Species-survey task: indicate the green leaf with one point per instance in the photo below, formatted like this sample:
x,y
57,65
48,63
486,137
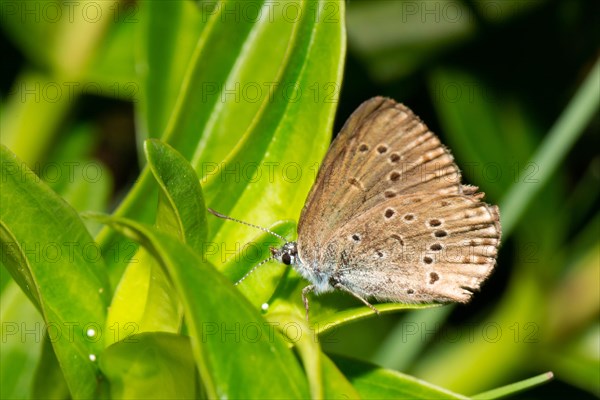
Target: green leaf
x,y
328,320
514,388
182,213
296,331
169,32
40,101
70,32
15,262
78,37
290,121
49,381
267,175
153,365
113,72
576,360
30,121
21,329
145,300
225,330
335,384
560,139
403,344
575,302
373,382
59,266
325,379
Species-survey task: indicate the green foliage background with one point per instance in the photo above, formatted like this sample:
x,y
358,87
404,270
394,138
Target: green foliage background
x,y
147,112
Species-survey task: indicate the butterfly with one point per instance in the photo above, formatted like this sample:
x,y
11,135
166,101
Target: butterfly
x,y
388,217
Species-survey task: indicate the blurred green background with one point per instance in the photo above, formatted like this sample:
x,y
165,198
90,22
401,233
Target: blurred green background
x,y
491,78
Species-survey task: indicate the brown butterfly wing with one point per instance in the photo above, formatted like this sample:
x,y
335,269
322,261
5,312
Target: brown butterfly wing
x,y
385,158
384,150
417,248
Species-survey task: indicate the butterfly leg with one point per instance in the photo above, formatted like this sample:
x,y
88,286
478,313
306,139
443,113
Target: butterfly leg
x,y
305,293
344,288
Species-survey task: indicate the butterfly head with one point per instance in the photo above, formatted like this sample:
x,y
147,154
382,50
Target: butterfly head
x,y
287,254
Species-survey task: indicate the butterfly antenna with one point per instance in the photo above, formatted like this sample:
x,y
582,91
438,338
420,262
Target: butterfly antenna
x,y
252,270
218,214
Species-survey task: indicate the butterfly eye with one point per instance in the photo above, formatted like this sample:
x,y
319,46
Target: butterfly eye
x,y
286,259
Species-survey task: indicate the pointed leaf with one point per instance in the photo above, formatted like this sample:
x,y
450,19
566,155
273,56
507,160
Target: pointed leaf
x,y
288,127
60,266
373,382
514,388
21,327
184,212
154,365
145,298
225,330
169,32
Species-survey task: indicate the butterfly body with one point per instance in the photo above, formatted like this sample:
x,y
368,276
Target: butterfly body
x,y
388,217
